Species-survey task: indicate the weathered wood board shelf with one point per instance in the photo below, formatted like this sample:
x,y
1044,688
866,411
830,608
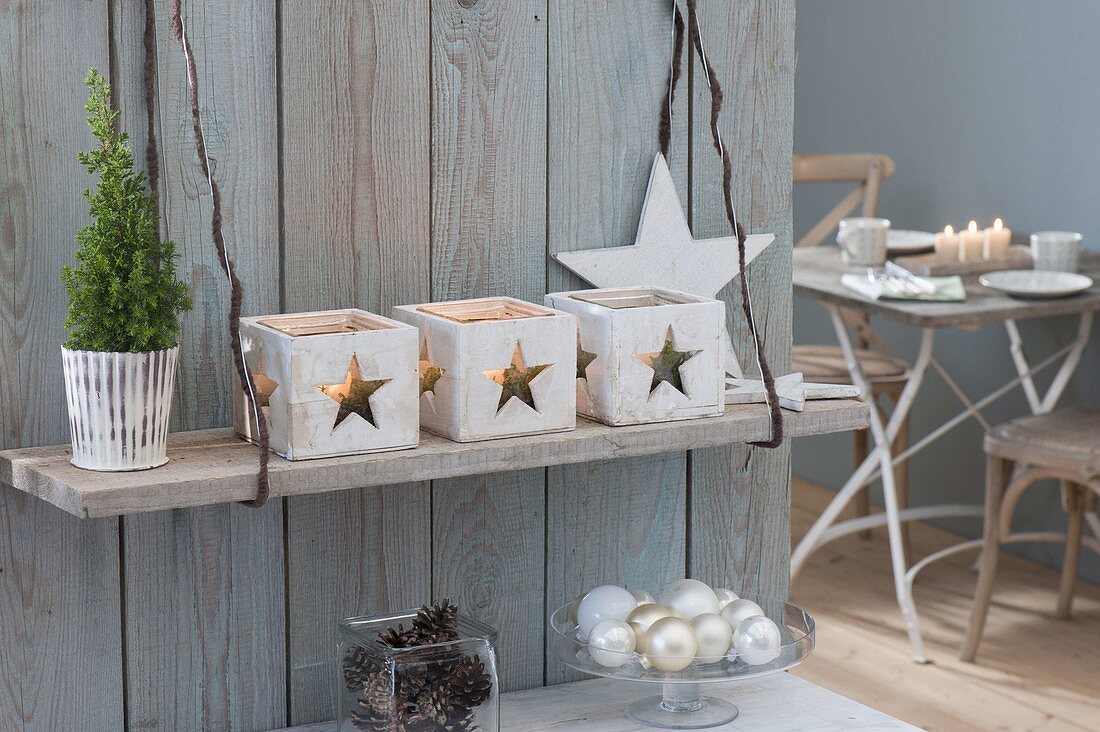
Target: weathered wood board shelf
x,y
213,466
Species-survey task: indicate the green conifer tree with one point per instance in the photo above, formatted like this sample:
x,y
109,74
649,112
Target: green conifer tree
x,y
123,293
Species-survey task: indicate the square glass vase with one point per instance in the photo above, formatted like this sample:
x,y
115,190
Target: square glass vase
x,y
440,686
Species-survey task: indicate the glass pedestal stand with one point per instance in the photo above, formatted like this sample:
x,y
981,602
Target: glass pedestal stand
x,y
682,707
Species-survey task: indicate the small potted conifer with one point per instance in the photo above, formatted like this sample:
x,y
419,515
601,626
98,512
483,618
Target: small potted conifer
x,y
124,309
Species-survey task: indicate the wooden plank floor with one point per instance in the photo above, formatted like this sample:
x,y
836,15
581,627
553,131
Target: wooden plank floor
x,y
1033,672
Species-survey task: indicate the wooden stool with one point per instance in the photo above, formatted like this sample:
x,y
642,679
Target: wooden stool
x,y
1064,445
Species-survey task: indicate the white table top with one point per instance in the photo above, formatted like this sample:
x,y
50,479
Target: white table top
x,y
777,703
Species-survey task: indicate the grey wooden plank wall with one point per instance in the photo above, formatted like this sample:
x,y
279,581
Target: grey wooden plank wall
x,y
369,154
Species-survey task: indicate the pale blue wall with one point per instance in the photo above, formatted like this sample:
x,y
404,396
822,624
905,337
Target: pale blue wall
x,y
990,108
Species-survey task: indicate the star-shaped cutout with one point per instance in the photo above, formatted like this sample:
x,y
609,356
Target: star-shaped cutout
x,y
515,380
265,386
353,395
583,359
430,373
666,364
665,254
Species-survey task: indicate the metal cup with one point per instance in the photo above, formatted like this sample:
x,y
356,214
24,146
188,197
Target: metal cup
x,y
863,241
1056,251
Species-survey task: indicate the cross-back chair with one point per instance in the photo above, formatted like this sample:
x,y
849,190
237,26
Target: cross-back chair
x,y
887,374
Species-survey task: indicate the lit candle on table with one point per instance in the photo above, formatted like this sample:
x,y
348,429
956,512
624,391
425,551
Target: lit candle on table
x,y
971,243
947,245
997,239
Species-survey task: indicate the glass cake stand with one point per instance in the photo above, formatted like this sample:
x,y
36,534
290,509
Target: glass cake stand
x,y
681,705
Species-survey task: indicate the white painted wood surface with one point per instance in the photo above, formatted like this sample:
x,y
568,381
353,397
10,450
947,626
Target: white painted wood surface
x,y
302,419
617,385
465,403
214,466
779,703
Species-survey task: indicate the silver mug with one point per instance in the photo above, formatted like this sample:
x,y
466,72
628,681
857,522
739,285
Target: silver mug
x,y
862,241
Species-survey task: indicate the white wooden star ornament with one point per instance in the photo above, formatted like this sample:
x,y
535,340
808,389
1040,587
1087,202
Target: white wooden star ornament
x,y
665,254
793,392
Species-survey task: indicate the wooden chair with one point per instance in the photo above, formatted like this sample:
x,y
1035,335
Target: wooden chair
x,y
887,374
1064,445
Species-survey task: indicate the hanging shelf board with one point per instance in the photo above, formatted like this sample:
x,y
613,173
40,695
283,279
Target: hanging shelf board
x,y
211,467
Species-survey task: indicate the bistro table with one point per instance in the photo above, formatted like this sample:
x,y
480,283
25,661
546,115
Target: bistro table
x,y
817,274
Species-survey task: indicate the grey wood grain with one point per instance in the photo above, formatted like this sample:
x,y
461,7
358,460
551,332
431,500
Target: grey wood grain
x,y
817,274
740,496
613,523
61,657
205,634
209,467
602,136
356,181
356,552
204,589
489,62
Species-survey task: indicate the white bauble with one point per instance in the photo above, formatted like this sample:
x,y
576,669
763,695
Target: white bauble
x,y
714,635
740,610
757,641
643,597
606,602
725,597
689,598
643,616
670,644
611,643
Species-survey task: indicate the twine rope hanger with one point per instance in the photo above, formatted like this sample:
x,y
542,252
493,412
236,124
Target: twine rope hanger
x,y
771,397
179,30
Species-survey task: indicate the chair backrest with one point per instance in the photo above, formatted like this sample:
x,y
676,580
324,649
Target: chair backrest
x,y
866,170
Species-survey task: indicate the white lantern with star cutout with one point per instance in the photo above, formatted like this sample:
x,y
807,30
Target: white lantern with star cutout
x,y
337,382
647,354
494,367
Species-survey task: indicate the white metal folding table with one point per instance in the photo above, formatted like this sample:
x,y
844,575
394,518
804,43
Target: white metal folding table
x,y
817,275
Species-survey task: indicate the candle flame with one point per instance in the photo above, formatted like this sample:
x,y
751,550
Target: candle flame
x,y
948,231
998,224
973,227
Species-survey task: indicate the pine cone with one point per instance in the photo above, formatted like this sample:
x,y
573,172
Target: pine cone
x,y
469,684
358,666
399,638
435,712
437,623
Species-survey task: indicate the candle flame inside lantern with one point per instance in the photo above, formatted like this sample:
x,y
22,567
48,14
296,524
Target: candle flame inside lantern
x,y
948,230
973,228
998,224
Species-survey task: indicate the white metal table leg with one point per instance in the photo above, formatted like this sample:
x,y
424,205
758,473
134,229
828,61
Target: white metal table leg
x,y
889,489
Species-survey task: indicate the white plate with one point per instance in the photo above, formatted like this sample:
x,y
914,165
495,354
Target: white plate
x,y
909,242
1035,283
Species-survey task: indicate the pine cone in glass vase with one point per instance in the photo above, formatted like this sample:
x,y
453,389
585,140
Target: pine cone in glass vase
x,y
399,637
435,712
469,684
377,709
357,667
437,623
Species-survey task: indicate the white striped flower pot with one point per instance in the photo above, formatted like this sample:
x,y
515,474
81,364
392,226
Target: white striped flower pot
x,y
119,404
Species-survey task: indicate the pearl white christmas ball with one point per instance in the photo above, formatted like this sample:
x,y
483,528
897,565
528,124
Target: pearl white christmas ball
x,y
643,616
670,644
606,602
642,597
689,598
739,610
714,635
611,643
725,597
757,641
